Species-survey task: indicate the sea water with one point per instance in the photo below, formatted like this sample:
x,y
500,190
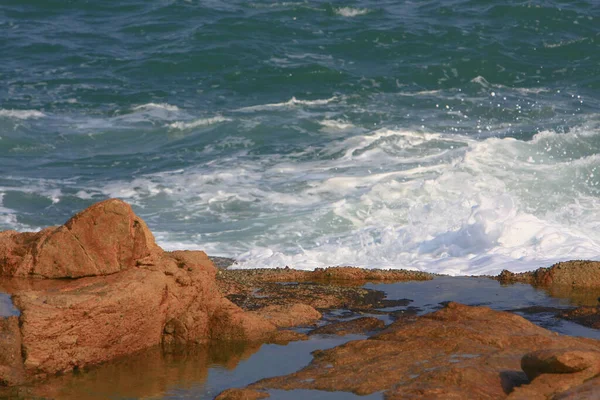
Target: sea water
x,y
458,136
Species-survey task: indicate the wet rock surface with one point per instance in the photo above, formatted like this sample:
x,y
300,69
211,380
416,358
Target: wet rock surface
x,y
573,274
456,352
11,368
361,325
578,281
586,316
254,289
242,394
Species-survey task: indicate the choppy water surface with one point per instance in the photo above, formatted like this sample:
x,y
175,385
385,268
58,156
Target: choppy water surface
x,y
455,136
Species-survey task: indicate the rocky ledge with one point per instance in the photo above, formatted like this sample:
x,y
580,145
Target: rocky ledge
x,y
458,352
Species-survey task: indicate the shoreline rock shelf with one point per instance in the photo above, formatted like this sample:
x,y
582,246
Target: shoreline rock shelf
x,y
99,288
458,352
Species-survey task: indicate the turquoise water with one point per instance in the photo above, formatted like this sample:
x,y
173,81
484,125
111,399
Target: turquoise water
x,y
452,136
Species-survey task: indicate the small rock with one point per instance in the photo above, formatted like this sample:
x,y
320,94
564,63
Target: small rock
x,y
288,315
559,361
359,325
242,394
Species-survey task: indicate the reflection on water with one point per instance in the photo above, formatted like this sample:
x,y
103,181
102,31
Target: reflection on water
x,y
575,296
202,372
198,372
150,373
427,295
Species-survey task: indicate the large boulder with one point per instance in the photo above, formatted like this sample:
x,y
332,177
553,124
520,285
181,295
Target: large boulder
x,y
101,240
129,295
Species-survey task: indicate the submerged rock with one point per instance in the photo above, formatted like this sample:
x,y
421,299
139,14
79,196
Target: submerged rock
x,y
11,366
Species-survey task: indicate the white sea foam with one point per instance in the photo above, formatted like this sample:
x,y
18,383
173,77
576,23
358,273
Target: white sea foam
x,y
480,80
161,106
198,122
351,12
390,198
289,104
336,124
470,209
22,114
565,43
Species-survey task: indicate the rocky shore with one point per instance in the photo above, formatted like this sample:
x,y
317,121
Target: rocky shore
x,y
99,288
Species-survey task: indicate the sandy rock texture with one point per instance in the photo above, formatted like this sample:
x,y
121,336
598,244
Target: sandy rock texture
x,y
458,352
107,238
361,325
129,295
573,274
578,281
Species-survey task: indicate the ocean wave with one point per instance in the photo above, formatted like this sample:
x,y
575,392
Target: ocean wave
x,y
351,12
181,125
161,106
480,80
441,203
289,104
564,43
336,124
22,114
389,198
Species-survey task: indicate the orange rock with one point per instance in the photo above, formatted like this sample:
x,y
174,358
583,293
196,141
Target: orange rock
x,y
359,325
559,361
101,240
242,394
129,295
11,366
288,315
589,390
455,353
574,274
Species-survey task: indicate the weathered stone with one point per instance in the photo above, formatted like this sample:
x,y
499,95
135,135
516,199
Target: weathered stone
x,y
587,316
589,390
358,325
578,274
129,295
457,352
11,361
288,315
242,394
101,240
559,361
